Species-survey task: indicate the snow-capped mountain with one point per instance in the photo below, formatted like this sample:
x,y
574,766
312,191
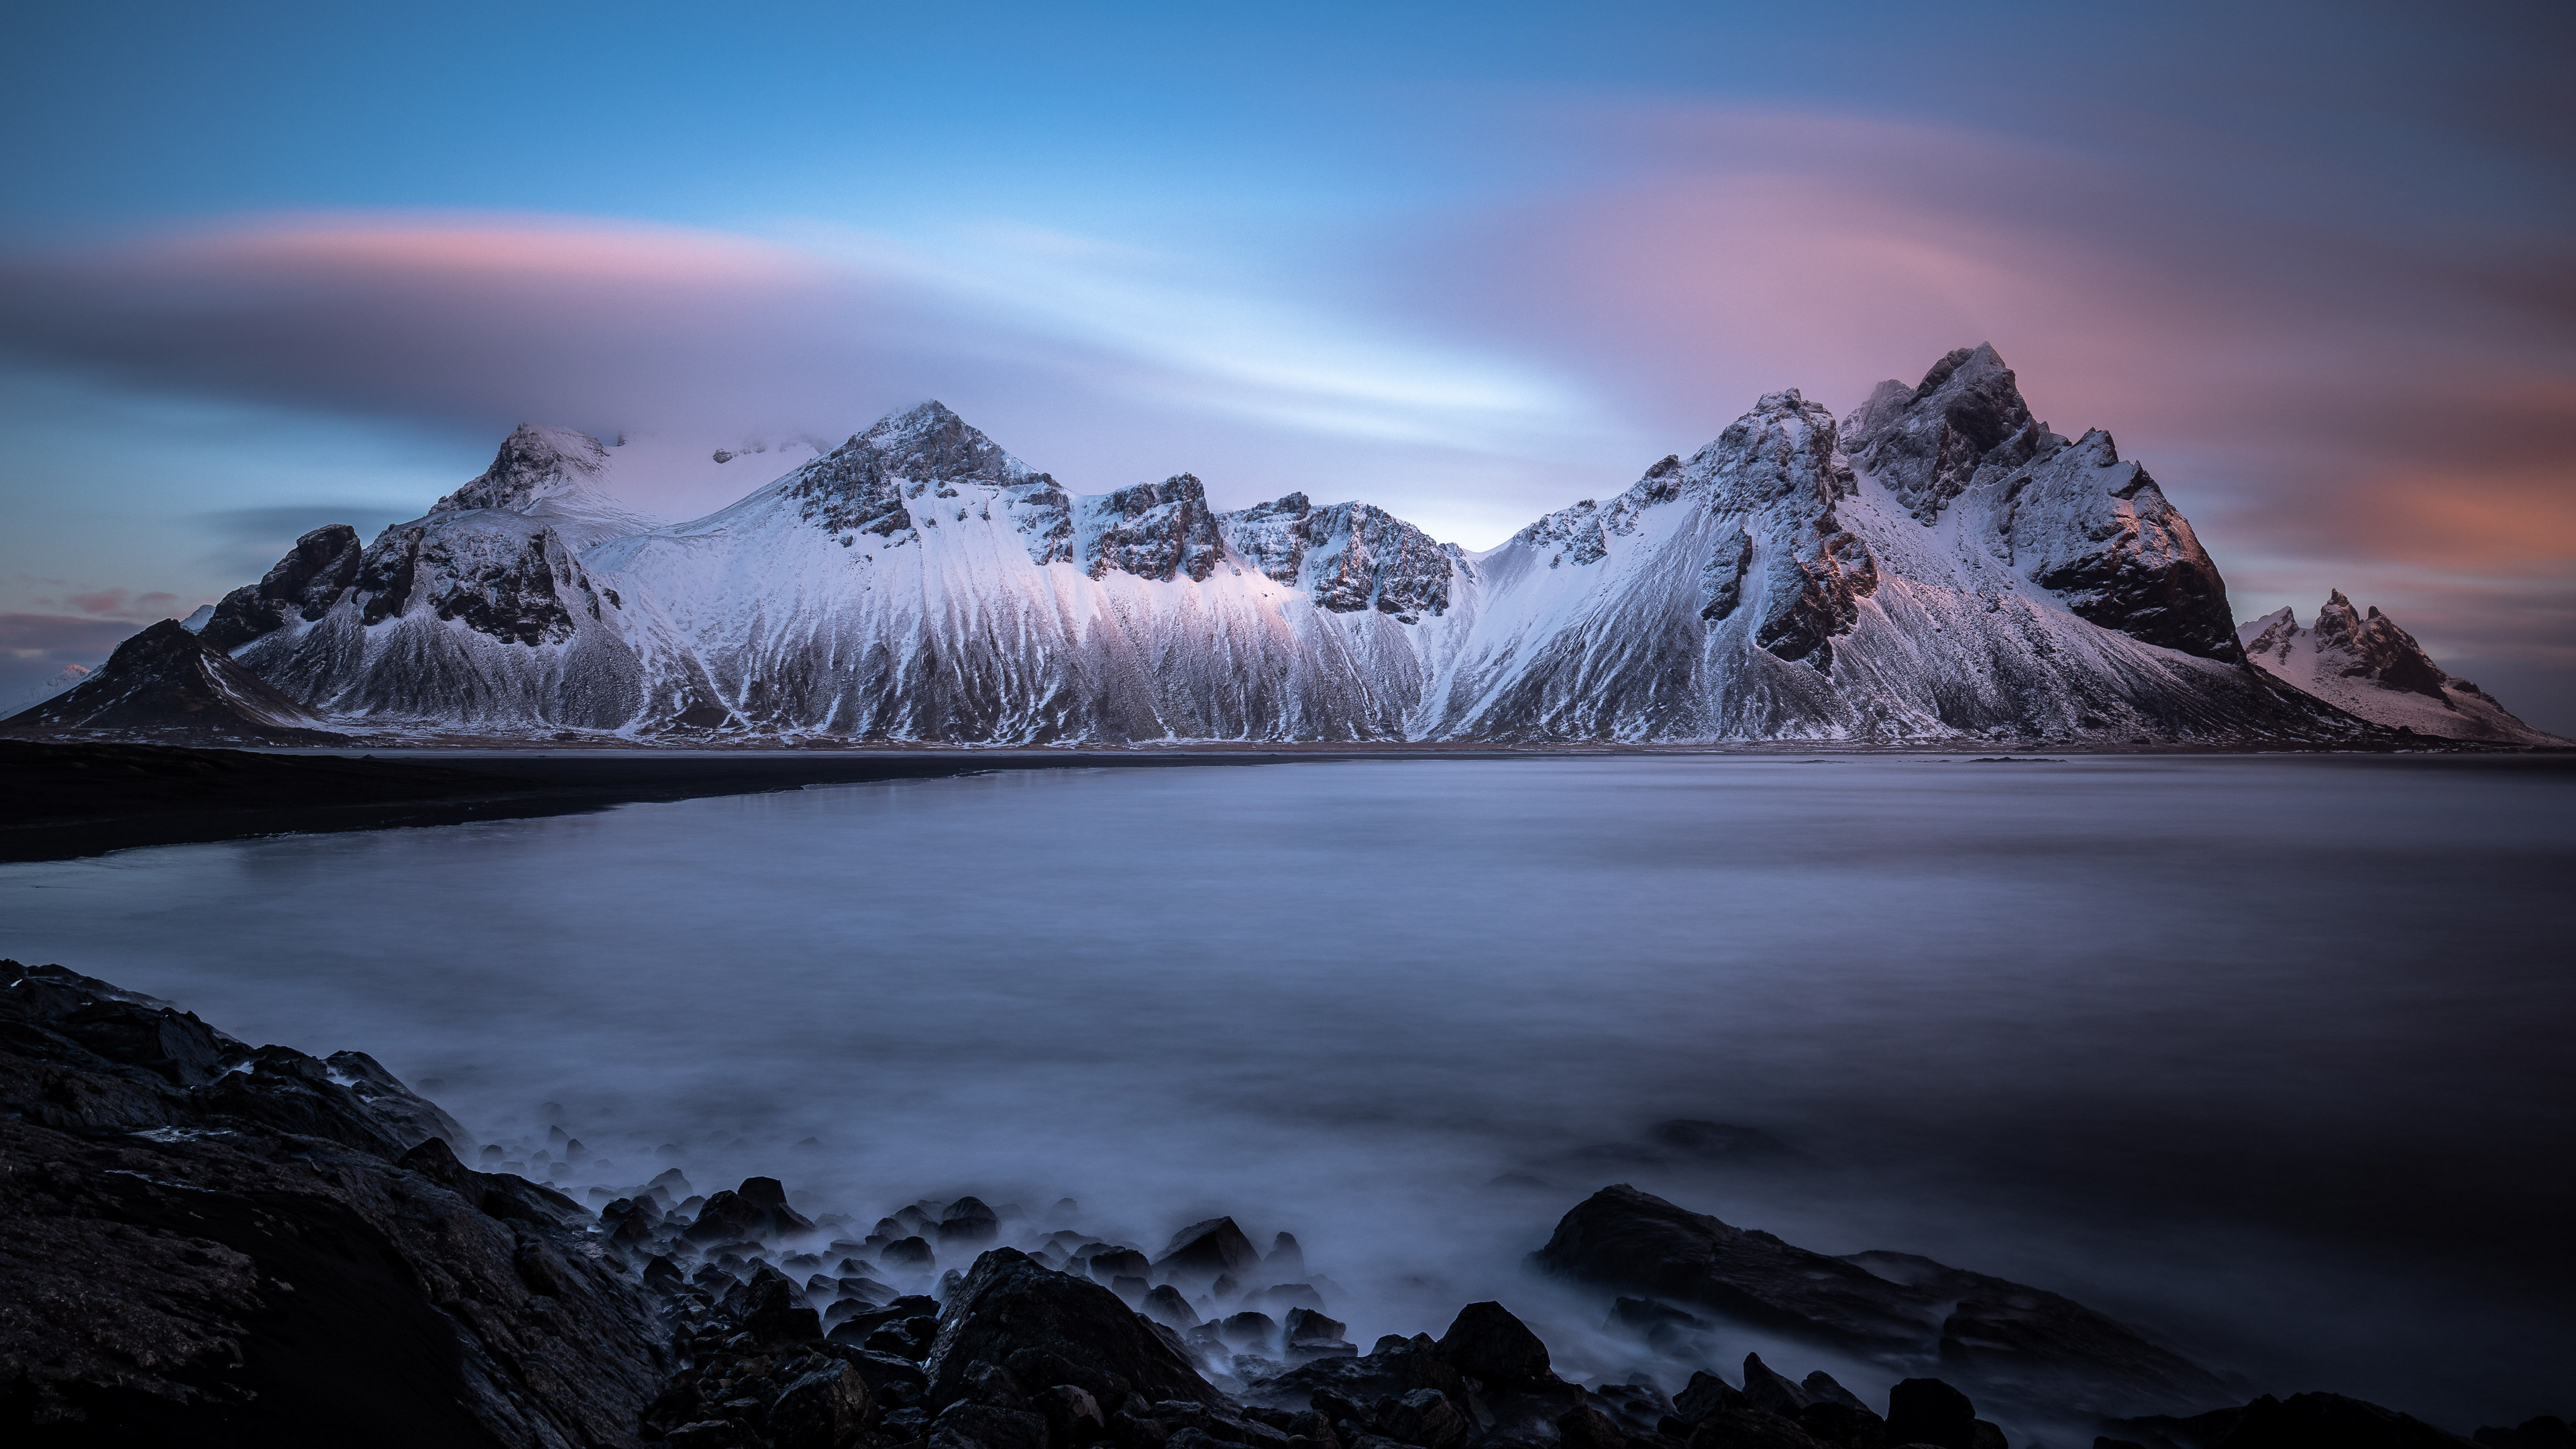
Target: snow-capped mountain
x,y
2365,665
1938,565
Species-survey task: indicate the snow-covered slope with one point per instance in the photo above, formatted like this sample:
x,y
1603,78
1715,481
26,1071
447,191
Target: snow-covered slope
x,y
1942,565
2366,665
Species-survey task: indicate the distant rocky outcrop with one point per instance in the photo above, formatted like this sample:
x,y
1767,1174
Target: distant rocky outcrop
x,y
169,685
2366,665
2000,1336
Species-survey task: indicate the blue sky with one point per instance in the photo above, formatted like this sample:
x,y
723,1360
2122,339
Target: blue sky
x,y
271,266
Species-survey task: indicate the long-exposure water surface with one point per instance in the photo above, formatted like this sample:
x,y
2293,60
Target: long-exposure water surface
x,y
2271,1055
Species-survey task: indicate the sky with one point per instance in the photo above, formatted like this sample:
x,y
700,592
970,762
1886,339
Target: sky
x,y
268,266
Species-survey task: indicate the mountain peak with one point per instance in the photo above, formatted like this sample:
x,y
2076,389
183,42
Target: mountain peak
x,y
1929,442
929,440
2362,662
535,461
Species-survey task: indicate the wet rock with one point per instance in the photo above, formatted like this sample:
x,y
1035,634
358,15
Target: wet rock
x,y
1585,1427
1928,1411
828,1408
1307,1328
966,1423
1705,1395
1770,1392
1009,1304
258,1253
1486,1342
1202,1251
1997,1334
1280,1297
1108,1263
894,1382
1424,1417
1748,1428
1821,1388
1072,1415
1661,1325
1249,1330
1285,1258
912,1252
1394,1368
969,1223
1165,1305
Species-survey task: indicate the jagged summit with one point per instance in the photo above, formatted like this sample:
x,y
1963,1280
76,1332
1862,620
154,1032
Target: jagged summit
x,y
918,582
1931,442
928,441
535,462
2362,662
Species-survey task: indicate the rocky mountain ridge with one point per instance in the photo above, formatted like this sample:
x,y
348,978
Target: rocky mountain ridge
x,y
2367,666
1939,565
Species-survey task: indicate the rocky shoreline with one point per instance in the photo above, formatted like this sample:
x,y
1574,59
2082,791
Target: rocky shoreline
x,y
218,1244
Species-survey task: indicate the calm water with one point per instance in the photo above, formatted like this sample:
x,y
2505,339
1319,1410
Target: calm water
x,y
2270,1055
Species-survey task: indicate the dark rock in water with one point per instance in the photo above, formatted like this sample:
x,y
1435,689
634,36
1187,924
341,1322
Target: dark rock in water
x,y
910,1252
1280,1297
1285,1259
1830,1421
1166,1305
1424,1417
1638,1405
1108,1263
1396,1367
727,1216
1705,1395
1585,1427
1072,1415
968,1224
1928,1411
1202,1251
1010,1304
1486,1342
160,1206
1821,1388
1660,1324
1308,1328
829,1408
1249,1330
1736,1427
963,1424
774,1310
2000,1335
167,684
1771,1392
